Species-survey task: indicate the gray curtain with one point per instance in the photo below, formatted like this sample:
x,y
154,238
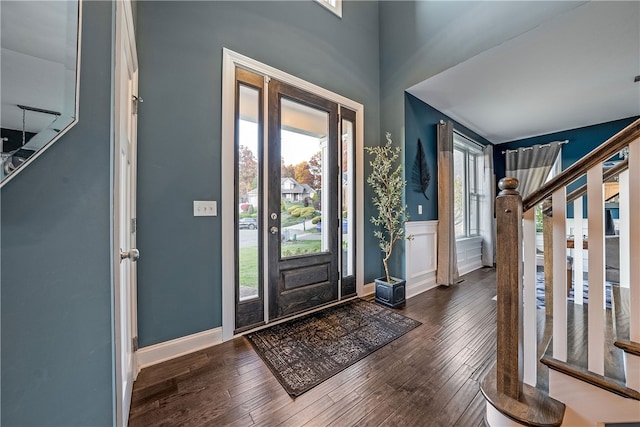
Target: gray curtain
x,y
447,270
531,165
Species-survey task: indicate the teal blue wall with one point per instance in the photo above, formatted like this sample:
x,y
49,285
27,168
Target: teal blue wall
x,y
180,55
56,312
421,122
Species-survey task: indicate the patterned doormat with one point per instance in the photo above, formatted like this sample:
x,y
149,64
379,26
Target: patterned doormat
x,y
304,352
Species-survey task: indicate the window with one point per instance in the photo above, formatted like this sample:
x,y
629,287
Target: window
x,y
467,167
334,6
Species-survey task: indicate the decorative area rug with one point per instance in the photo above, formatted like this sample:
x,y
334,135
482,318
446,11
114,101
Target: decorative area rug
x,y
540,296
304,352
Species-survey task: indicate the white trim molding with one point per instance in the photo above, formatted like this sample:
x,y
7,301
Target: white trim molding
x,y
421,256
161,352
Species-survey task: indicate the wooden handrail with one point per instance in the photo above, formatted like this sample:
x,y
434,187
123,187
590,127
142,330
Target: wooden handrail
x,y
582,190
606,175
605,151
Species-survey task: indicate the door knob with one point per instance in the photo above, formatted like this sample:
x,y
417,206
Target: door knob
x,y
273,229
133,255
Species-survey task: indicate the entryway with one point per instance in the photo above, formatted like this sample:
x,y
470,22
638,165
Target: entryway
x,y
293,199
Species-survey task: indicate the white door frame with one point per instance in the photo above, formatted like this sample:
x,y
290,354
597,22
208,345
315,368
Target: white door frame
x,y
230,60
124,122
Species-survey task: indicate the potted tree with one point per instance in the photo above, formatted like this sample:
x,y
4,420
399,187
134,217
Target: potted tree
x,y
388,187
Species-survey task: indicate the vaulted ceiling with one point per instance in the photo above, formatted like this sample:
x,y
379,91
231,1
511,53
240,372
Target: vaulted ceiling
x,y
575,69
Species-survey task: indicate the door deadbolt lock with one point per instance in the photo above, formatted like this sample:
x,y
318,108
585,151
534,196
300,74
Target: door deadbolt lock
x,y
274,215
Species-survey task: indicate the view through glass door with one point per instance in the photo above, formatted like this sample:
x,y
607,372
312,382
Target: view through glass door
x,y
294,242
303,203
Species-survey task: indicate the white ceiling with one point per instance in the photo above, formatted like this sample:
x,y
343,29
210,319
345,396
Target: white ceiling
x,y
574,70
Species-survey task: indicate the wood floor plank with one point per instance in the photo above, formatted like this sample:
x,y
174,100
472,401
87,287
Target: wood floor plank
x,y
474,412
335,410
429,376
378,398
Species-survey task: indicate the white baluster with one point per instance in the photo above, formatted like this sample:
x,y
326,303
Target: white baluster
x,y
559,206
578,252
595,210
633,362
529,296
623,223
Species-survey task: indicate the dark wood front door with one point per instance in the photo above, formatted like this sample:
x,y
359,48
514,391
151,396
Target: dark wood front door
x,y
302,206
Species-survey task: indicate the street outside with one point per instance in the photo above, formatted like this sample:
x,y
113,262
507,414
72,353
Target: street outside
x,y
249,238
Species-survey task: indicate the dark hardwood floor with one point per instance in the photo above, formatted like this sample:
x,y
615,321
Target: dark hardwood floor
x,y
428,377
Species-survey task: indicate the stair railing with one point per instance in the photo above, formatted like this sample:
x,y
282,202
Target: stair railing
x,y
517,353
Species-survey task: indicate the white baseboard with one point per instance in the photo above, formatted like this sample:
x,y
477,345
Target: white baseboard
x,y
428,282
154,354
369,289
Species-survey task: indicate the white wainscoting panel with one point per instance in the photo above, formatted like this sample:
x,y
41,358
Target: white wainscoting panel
x,y
421,256
469,253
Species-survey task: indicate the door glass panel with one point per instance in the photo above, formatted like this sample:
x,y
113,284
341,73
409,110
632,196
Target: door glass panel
x,y
303,200
248,194
347,206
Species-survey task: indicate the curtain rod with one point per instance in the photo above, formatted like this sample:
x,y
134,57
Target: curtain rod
x,y
566,141
471,140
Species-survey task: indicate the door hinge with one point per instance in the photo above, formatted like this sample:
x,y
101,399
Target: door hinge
x,y
135,102
134,225
134,343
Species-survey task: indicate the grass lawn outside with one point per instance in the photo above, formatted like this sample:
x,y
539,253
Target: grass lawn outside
x,y
300,247
248,258
248,266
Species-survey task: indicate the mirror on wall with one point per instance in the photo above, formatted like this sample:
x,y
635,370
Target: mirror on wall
x,y
39,73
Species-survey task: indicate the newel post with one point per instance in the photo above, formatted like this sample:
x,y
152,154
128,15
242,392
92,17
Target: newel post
x,y
509,366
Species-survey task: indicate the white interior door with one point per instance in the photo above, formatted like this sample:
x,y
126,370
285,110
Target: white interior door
x,y
125,252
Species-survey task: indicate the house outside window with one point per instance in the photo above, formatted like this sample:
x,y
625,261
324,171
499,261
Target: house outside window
x,y
466,160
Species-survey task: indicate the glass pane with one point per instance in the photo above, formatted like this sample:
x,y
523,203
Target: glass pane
x,y
303,145
473,215
347,226
472,173
459,192
248,193
473,195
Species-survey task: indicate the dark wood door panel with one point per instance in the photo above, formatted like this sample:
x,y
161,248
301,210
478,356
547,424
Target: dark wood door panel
x,y
298,300
309,275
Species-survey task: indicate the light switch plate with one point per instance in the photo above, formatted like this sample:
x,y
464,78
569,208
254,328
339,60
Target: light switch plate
x,y
419,209
205,208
